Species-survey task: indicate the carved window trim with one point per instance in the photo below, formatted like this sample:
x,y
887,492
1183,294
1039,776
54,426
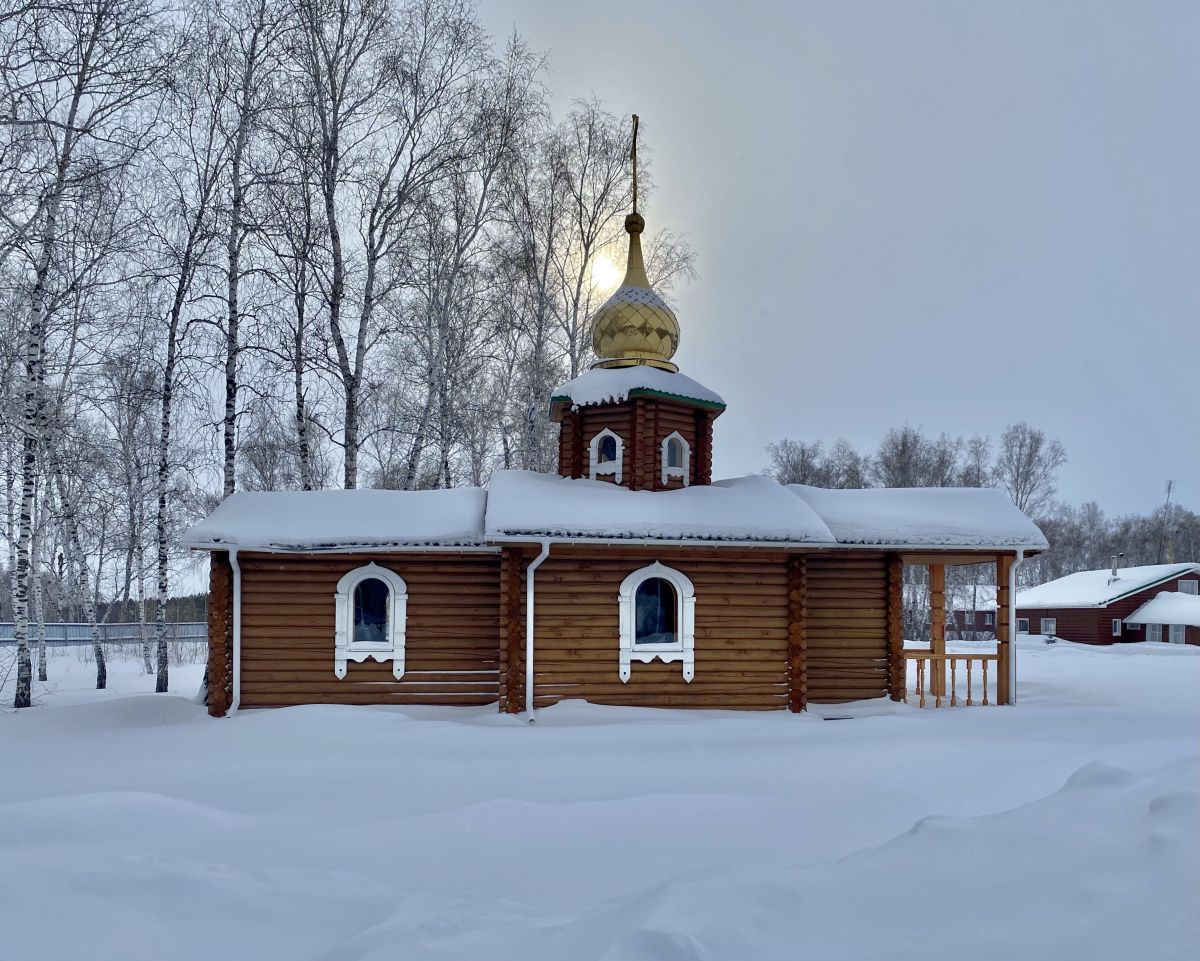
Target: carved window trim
x,y
683,471
345,648
684,649
616,466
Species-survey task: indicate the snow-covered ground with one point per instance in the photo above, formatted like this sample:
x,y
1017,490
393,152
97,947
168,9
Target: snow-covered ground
x,y
132,826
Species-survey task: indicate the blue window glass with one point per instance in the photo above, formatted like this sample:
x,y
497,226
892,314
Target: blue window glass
x,y
655,612
371,611
607,451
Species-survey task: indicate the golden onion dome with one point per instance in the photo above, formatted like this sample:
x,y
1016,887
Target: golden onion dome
x,y
635,325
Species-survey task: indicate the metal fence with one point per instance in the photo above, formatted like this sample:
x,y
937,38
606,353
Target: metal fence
x,y
80,635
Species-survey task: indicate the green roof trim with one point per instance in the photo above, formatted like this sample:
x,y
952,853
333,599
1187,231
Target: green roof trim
x,y
1183,569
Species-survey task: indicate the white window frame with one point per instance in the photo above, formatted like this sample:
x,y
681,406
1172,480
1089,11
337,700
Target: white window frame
x,y
1154,632
1053,623
969,618
1176,634
684,470
1020,621
1189,586
989,619
684,649
1116,626
616,466
345,648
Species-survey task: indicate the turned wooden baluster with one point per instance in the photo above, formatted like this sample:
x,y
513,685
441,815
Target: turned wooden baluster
x,y
985,700
921,681
953,682
968,682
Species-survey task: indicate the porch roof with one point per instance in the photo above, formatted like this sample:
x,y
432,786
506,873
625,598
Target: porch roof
x,y
1169,607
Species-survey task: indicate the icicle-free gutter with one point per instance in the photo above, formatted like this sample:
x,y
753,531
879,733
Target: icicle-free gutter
x,y
529,585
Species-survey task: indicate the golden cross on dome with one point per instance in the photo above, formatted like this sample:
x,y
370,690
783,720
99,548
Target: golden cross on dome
x,y
633,157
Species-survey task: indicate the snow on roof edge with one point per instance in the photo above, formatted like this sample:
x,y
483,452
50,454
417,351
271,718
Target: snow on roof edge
x,y
1168,607
604,385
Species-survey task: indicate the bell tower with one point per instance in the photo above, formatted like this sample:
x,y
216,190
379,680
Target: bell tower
x,y
633,419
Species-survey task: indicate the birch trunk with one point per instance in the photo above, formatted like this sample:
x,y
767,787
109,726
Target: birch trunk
x,y
39,610
77,559
35,344
233,273
160,517
143,633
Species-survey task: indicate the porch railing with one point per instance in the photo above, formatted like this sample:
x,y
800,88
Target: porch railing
x,y
931,676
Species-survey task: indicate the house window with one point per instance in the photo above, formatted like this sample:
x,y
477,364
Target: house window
x,y
1175,634
1022,625
1050,626
970,618
371,608
1154,632
676,458
1116,627
607,456
1189,587
988,619
657,617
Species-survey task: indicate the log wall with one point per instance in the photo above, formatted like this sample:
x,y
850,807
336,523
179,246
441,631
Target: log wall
x,y
220,633
452,651
847,626
642,423
773,631
742,652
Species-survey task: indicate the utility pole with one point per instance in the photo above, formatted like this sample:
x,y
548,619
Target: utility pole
x,y
1162,528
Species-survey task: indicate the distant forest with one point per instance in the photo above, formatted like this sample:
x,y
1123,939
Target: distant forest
x,y
63,607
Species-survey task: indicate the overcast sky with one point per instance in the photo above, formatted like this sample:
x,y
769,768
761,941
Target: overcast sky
x,y
955,214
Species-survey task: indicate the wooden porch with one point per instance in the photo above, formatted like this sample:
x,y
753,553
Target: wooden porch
x,y
937,678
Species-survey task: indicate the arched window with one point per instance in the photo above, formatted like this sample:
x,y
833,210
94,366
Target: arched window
x,y
655,619
371,607
676,458
658,614
606,456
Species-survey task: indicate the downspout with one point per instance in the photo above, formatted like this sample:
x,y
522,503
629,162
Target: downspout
x,y
236,694
1012,624
529,571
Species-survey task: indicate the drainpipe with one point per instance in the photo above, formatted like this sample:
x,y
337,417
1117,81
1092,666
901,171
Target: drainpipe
x,y
529,571
1012,624
236,697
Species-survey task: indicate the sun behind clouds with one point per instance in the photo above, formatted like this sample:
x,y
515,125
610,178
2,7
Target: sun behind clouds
x,y
605,274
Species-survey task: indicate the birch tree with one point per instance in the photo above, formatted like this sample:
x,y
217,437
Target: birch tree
x,y
246,43
94,62
188,171
1027,464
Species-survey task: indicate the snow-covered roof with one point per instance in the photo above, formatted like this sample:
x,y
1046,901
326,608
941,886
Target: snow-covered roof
x,y
923,517
323,520
528,504
1099,588
1170,607
753,508
605,385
